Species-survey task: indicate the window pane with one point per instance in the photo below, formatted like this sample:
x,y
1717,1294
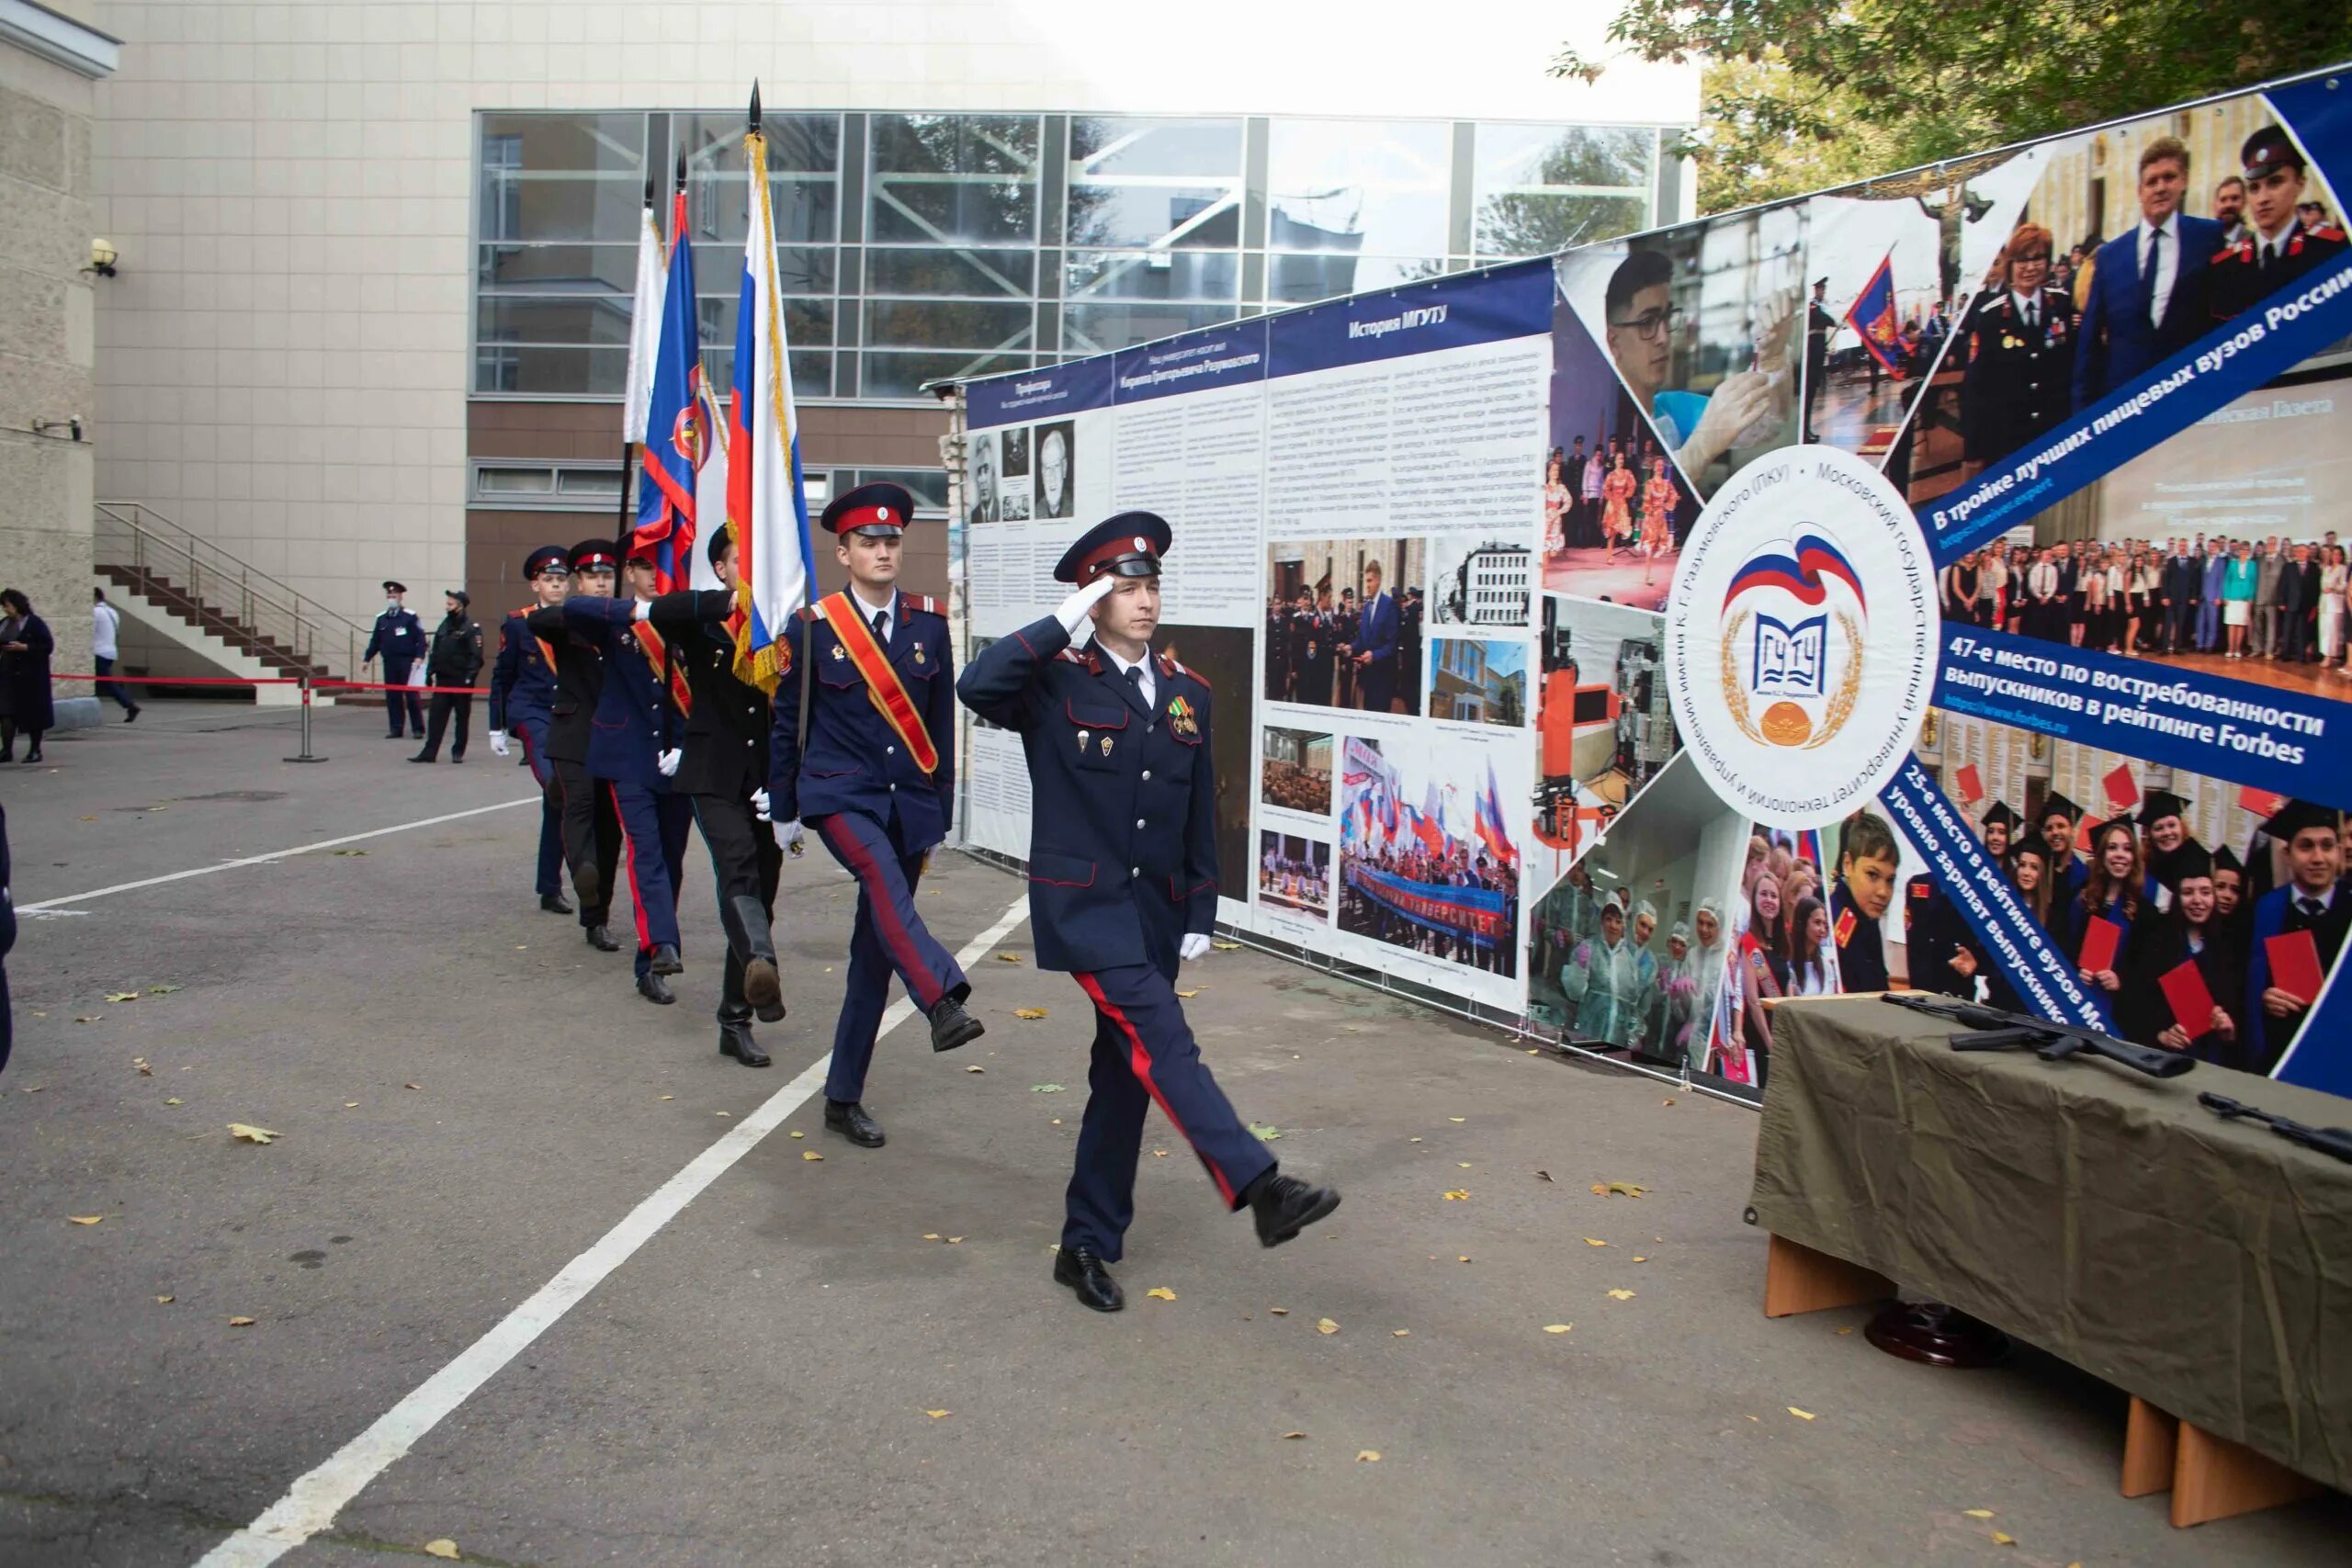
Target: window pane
x,y
561,206
592,484
935,178
1117,145
944,323
807,324
928,486
1088,329
573,319
812,371
797,143
538,371
799,269
605,143
1152,275
1522,224
1197,216
988,274
902,375
1298,280
514,481
575,268
1357,185
804,210
1154,183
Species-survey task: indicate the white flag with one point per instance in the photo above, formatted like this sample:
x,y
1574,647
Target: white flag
x,y
644,330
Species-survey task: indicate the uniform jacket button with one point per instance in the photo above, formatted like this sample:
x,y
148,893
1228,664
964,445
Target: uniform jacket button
x,y
1135,871
1138,821
1147,772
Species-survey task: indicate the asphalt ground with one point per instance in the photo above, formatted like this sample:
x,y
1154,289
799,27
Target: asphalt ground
x,y
789,1369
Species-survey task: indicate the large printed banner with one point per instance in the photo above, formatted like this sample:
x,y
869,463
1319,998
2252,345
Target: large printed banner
x,y
1935,582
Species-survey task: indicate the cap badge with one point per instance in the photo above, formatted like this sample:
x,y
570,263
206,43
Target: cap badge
x,y
882,514
1142,545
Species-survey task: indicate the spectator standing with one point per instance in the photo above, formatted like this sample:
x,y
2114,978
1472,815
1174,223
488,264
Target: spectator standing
x,y
26,643
106,633
2269,587
399,641
456,661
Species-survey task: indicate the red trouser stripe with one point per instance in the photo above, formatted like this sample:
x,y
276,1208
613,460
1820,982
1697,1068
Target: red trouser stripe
x,y
884,908
1139,1060
636,900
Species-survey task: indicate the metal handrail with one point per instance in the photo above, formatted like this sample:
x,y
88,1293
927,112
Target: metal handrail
x,y
135,537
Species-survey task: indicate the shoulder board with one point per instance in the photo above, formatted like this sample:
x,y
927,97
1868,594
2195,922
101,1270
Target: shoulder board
x,y
518,615
1080,656
2327,231
1169,666
927,605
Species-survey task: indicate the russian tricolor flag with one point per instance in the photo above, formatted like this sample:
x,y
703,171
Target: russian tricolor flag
x,y
764,495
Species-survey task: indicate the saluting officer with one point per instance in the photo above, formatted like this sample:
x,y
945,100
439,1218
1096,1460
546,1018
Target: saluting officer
x,y
724,778
1122,885
592,824
634,748
399,641
863,750
522,693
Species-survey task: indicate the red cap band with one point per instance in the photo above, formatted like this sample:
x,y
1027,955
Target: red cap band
x,y
869,517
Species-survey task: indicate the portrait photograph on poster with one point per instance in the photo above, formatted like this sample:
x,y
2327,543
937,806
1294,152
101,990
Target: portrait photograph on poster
x,y
1603,725
1478,681
983,471
1477,580
1615,509
1343,622
1427,861
1296,772
1057,481
1627,951
1013,453
1295,872
1703,326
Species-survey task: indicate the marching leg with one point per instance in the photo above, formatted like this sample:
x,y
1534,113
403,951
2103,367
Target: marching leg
x,y
886,881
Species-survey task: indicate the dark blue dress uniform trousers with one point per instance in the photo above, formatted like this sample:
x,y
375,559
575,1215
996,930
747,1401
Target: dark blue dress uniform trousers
x,y
1145,1053
400,696
888,936
534,738
654,818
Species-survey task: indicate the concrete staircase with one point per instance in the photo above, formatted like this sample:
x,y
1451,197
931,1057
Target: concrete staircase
x,y
237,621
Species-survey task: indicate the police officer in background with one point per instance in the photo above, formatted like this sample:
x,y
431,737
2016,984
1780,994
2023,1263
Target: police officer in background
x,y
592,824
399,641
455,661
522,695
1122,885
863,750
723,777
634,747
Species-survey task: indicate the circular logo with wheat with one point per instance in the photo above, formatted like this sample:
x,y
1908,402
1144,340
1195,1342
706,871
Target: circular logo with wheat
x,y
1801,636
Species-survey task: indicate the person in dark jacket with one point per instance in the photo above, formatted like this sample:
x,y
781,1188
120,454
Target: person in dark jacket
x,y
399,641
723,775
522,688
591,822
26,643
2018,377
2189,931
455,661
8,943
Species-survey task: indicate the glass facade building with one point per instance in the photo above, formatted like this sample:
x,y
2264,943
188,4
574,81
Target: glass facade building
x,y
915,247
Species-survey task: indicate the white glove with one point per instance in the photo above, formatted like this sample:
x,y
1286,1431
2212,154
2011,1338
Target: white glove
x,y
760,803
669,760
1194,944
498,741
643,612
787,835
1072,613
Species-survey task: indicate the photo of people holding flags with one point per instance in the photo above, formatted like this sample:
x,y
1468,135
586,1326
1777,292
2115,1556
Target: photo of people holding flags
x,y
1428,863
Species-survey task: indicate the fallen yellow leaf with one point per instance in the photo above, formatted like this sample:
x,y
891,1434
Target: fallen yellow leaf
x,y
1008,958
354,1105
1028,1013
1194,992
1801,1415
1591,1241
241,1323
1160,1154
2000,1539
1463,1164
931,1235
811,1153
1620,1295
673,1097
411,1086
1287,1435
954,1239
718,1114
1367,1456
1463,1259
1639,1259
976,1069
122,996
795,1134
1161,1292
936,1415
163,1301
1457,1195
1557,1327
243,1134
85,1219
1619,1189
1279,1312
1400,1332
1978,1513
1457,1119
167,1102
1667,1101
1412,1140
1224,946
442,1548
1325,1325
145,1070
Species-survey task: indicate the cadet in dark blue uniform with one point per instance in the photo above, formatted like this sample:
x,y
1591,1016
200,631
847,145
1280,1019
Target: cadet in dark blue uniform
x,y
1122,885
522,695
724,778
399,641
862,749
634,748
591,827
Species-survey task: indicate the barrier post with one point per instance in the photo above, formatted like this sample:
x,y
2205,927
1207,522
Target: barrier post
x,y
304,680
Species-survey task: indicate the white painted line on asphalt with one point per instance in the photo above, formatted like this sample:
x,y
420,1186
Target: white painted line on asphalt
x,y
47,904
311,1503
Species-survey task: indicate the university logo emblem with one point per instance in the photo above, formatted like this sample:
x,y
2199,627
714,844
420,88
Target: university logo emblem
x,y
1802,635
1789,677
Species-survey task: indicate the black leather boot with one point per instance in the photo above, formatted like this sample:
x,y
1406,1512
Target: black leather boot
x,y
754,949
735,1040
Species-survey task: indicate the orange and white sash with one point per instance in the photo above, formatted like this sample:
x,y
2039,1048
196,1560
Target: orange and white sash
x,y
882,683
657,650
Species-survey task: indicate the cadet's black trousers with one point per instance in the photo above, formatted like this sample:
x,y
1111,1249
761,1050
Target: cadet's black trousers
x,y
443,702
745,860
591,839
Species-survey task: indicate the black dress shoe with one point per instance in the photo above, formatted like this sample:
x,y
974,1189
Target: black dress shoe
x,y
848,1118
32,756
131,714
425,757
735,1040
1083,1272
555,904
951,1026
456,756
601,939
1283,1206
654,989
666,961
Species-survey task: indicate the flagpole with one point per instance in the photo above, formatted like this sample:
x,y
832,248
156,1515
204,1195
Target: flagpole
x,y
621,525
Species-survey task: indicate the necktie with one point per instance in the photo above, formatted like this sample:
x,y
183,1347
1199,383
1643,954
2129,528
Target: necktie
x,y
2312,908
2030,318
881,618
1135,677
2268,254
2156,247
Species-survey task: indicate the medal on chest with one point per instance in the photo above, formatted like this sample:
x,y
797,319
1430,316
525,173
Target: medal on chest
x,y
1180,718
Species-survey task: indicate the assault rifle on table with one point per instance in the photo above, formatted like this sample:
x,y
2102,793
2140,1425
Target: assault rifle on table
x,y
1997,1031
2336,1141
